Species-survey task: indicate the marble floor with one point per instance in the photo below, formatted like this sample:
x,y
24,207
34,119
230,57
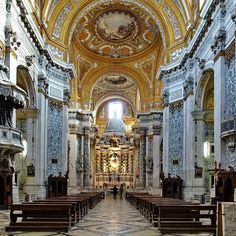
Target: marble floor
x,y
109,218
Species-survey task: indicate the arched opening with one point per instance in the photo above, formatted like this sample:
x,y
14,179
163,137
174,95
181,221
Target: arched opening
x,y
204,125
114,147
26,120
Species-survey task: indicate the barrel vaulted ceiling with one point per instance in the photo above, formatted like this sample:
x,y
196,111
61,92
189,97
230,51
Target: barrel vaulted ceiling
x,y
117,43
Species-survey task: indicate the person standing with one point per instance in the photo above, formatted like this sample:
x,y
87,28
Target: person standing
x,y
115,190
121,191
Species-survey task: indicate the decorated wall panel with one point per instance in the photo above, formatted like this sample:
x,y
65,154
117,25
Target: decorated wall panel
x,y
142,159
176,145
79,164
86,161
230,90
54,138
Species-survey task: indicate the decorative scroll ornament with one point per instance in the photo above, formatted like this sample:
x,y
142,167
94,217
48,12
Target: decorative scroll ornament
x,y
188,87
219,42
165,97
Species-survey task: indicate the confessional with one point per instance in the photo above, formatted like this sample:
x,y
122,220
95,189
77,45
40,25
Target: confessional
x,y
5,187
225,184
57,186
172,187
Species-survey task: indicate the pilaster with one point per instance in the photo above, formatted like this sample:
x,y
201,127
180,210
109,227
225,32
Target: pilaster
x,y
199,134
218,48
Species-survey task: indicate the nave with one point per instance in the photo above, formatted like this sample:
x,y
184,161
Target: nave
x,y
109,218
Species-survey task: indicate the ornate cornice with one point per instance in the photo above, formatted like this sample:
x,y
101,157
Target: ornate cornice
x,y
175,106
42,84
42,51
154,116
218,45
188,87
165,97
195,43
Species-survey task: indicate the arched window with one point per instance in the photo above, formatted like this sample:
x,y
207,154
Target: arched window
x,y
201,3
115,110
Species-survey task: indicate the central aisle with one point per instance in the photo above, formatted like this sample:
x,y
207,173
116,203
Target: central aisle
x,y
114,218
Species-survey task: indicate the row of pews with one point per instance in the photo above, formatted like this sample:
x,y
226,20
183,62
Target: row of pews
x,y
174,215
53,214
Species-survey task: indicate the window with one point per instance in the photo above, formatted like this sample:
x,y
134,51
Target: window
x,y
201,2
115,110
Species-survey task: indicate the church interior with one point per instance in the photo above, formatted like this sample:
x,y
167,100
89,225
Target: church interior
x,y
137,94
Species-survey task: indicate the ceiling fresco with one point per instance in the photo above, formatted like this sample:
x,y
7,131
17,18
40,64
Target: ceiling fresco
x,y
112,84
107,40
116,31
115,81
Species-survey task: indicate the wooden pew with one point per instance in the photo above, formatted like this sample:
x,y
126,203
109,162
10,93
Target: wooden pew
x,y
187,218
38,217
74,207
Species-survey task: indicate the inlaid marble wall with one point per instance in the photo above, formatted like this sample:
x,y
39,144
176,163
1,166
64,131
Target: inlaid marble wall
x,y
230,90
176,133
150,161
86,161
142,159
79,164
229,111
55,121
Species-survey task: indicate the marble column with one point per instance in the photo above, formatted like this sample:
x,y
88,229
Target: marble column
x,y
165,140
73,146
92,176
86,160
31,122
149,160
156,188
189,142
199,134
142,158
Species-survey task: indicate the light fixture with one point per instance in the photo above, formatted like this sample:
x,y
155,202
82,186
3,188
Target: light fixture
x,y
24,153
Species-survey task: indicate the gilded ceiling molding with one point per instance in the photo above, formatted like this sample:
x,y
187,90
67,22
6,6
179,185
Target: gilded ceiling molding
x,y
99,2
174,22
84,67
197,42
60,20
147,67
52,8
92,76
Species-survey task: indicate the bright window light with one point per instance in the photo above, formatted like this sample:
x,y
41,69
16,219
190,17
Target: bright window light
x,y
24,153
201,3
206,149
115,110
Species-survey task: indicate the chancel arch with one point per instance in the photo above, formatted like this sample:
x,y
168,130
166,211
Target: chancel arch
x,y
113,79
134,93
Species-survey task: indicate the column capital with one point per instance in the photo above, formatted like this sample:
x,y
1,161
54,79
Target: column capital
x,y
218,45
198,115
